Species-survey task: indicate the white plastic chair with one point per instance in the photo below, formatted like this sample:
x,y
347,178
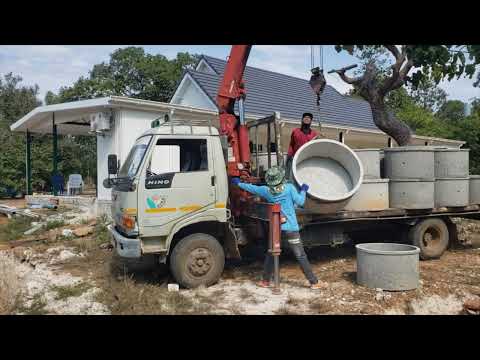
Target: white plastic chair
x,y
74,184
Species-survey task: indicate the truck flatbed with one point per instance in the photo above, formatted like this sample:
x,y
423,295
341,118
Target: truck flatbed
x,y
308,216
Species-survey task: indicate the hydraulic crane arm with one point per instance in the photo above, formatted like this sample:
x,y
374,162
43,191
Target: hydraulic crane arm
x,y
231,90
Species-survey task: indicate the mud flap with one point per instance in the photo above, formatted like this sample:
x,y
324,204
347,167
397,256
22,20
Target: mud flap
x,y
230,244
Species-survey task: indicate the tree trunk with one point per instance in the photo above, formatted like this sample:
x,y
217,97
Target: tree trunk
x,y
388,123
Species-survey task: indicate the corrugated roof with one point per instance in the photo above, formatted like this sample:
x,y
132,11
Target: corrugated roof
x,y
268,91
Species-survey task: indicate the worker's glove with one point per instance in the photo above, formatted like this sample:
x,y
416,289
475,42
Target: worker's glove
x,y
236,181
304,187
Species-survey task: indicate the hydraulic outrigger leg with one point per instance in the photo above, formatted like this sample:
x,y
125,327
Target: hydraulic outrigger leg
x,y
274,243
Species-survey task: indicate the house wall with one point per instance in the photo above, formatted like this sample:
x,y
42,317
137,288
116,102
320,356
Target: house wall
x,y
190,95
128,126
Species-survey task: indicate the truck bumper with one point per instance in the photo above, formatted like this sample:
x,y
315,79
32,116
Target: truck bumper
x,y
125,247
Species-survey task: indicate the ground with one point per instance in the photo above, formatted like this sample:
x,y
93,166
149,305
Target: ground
x,y
81,275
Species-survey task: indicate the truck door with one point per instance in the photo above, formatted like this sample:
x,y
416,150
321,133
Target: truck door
x,y
178,180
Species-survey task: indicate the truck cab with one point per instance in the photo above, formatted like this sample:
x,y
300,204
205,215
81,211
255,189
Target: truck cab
x,y
169,199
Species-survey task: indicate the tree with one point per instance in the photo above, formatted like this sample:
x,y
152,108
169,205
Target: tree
x,y
475,107
130,72
380,76
452,110
428,95
15,102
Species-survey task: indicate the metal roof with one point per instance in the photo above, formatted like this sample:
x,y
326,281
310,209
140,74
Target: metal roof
x,y
268,91
39,120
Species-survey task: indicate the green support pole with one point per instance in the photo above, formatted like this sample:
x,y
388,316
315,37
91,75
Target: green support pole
x,y
55,151
28,163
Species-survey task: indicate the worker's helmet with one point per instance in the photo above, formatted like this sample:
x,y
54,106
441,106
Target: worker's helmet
x,y
275,176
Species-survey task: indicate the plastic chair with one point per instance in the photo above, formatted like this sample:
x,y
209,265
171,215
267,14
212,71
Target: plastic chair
x,y
74,184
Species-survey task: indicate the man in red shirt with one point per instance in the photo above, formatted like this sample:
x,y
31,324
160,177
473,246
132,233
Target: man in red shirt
x,y
299,137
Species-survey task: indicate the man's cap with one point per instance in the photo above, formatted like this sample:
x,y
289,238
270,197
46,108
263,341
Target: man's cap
x,y
307,114
274,176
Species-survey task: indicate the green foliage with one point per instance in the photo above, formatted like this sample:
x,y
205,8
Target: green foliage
x,y
452,110
428,95
476,107
54,224
130,72
14,228
437,62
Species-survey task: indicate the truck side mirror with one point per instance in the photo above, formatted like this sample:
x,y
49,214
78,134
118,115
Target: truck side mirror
x,y
112,164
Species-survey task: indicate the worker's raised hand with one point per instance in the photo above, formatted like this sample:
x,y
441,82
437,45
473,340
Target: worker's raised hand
x,y
235,181
304,187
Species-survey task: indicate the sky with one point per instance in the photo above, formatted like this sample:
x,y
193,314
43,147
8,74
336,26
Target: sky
x,y
54,66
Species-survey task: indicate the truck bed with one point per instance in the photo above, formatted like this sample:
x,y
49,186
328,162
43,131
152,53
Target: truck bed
x,y
308,216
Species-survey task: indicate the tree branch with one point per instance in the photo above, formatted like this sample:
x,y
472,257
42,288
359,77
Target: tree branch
x,y
348,79
394,50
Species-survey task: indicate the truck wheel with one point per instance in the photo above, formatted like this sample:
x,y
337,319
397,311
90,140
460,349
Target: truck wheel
x,y
431,236
198,259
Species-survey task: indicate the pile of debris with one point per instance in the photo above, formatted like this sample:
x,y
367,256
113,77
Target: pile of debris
x,y
468,231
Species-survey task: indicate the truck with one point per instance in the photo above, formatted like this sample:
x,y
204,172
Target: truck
x,y
172,198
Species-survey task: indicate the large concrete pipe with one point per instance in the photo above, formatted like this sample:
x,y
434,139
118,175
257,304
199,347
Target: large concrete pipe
x,y
451,163
331,169
474,189
409,162
370,159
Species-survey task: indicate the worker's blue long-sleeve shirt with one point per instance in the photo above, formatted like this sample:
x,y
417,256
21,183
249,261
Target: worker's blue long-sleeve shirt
x,y
289,199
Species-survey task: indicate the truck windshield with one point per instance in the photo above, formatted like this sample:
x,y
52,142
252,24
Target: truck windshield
x,y
135,157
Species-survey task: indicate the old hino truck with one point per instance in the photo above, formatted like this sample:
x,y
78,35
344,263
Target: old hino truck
x,y
172,197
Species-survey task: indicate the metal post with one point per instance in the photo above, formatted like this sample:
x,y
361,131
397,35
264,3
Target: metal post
x,y
55,150
268,146
278,139
256,151
274,242
28,164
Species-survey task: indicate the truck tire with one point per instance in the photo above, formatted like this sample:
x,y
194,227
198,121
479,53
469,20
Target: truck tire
x,y
431,236
197,259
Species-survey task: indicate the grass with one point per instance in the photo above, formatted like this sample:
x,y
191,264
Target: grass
x,y
65,292
14,228
53,224
100,236
37,307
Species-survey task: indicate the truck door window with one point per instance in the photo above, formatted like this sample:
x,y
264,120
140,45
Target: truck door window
x,y
178,155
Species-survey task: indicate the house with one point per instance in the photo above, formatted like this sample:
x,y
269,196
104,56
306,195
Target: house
x,y
342,117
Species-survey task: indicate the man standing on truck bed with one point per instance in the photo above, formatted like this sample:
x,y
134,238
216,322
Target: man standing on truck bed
x,y
300,136
279,192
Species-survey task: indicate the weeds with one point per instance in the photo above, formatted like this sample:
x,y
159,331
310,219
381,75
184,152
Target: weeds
x,y
65,292
53,224
37,307
14,228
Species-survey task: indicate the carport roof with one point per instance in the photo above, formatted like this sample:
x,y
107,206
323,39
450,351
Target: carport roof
x,y
72,118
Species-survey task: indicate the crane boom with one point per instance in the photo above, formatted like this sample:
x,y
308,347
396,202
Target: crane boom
x,y
232,89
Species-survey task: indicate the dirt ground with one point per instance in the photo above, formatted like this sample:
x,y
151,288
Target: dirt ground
x,y
81,275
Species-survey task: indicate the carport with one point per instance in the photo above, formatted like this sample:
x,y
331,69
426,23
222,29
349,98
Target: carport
x,y
123,120
60,119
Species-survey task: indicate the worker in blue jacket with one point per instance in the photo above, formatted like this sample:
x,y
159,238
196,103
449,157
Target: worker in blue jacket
x,y
278,191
